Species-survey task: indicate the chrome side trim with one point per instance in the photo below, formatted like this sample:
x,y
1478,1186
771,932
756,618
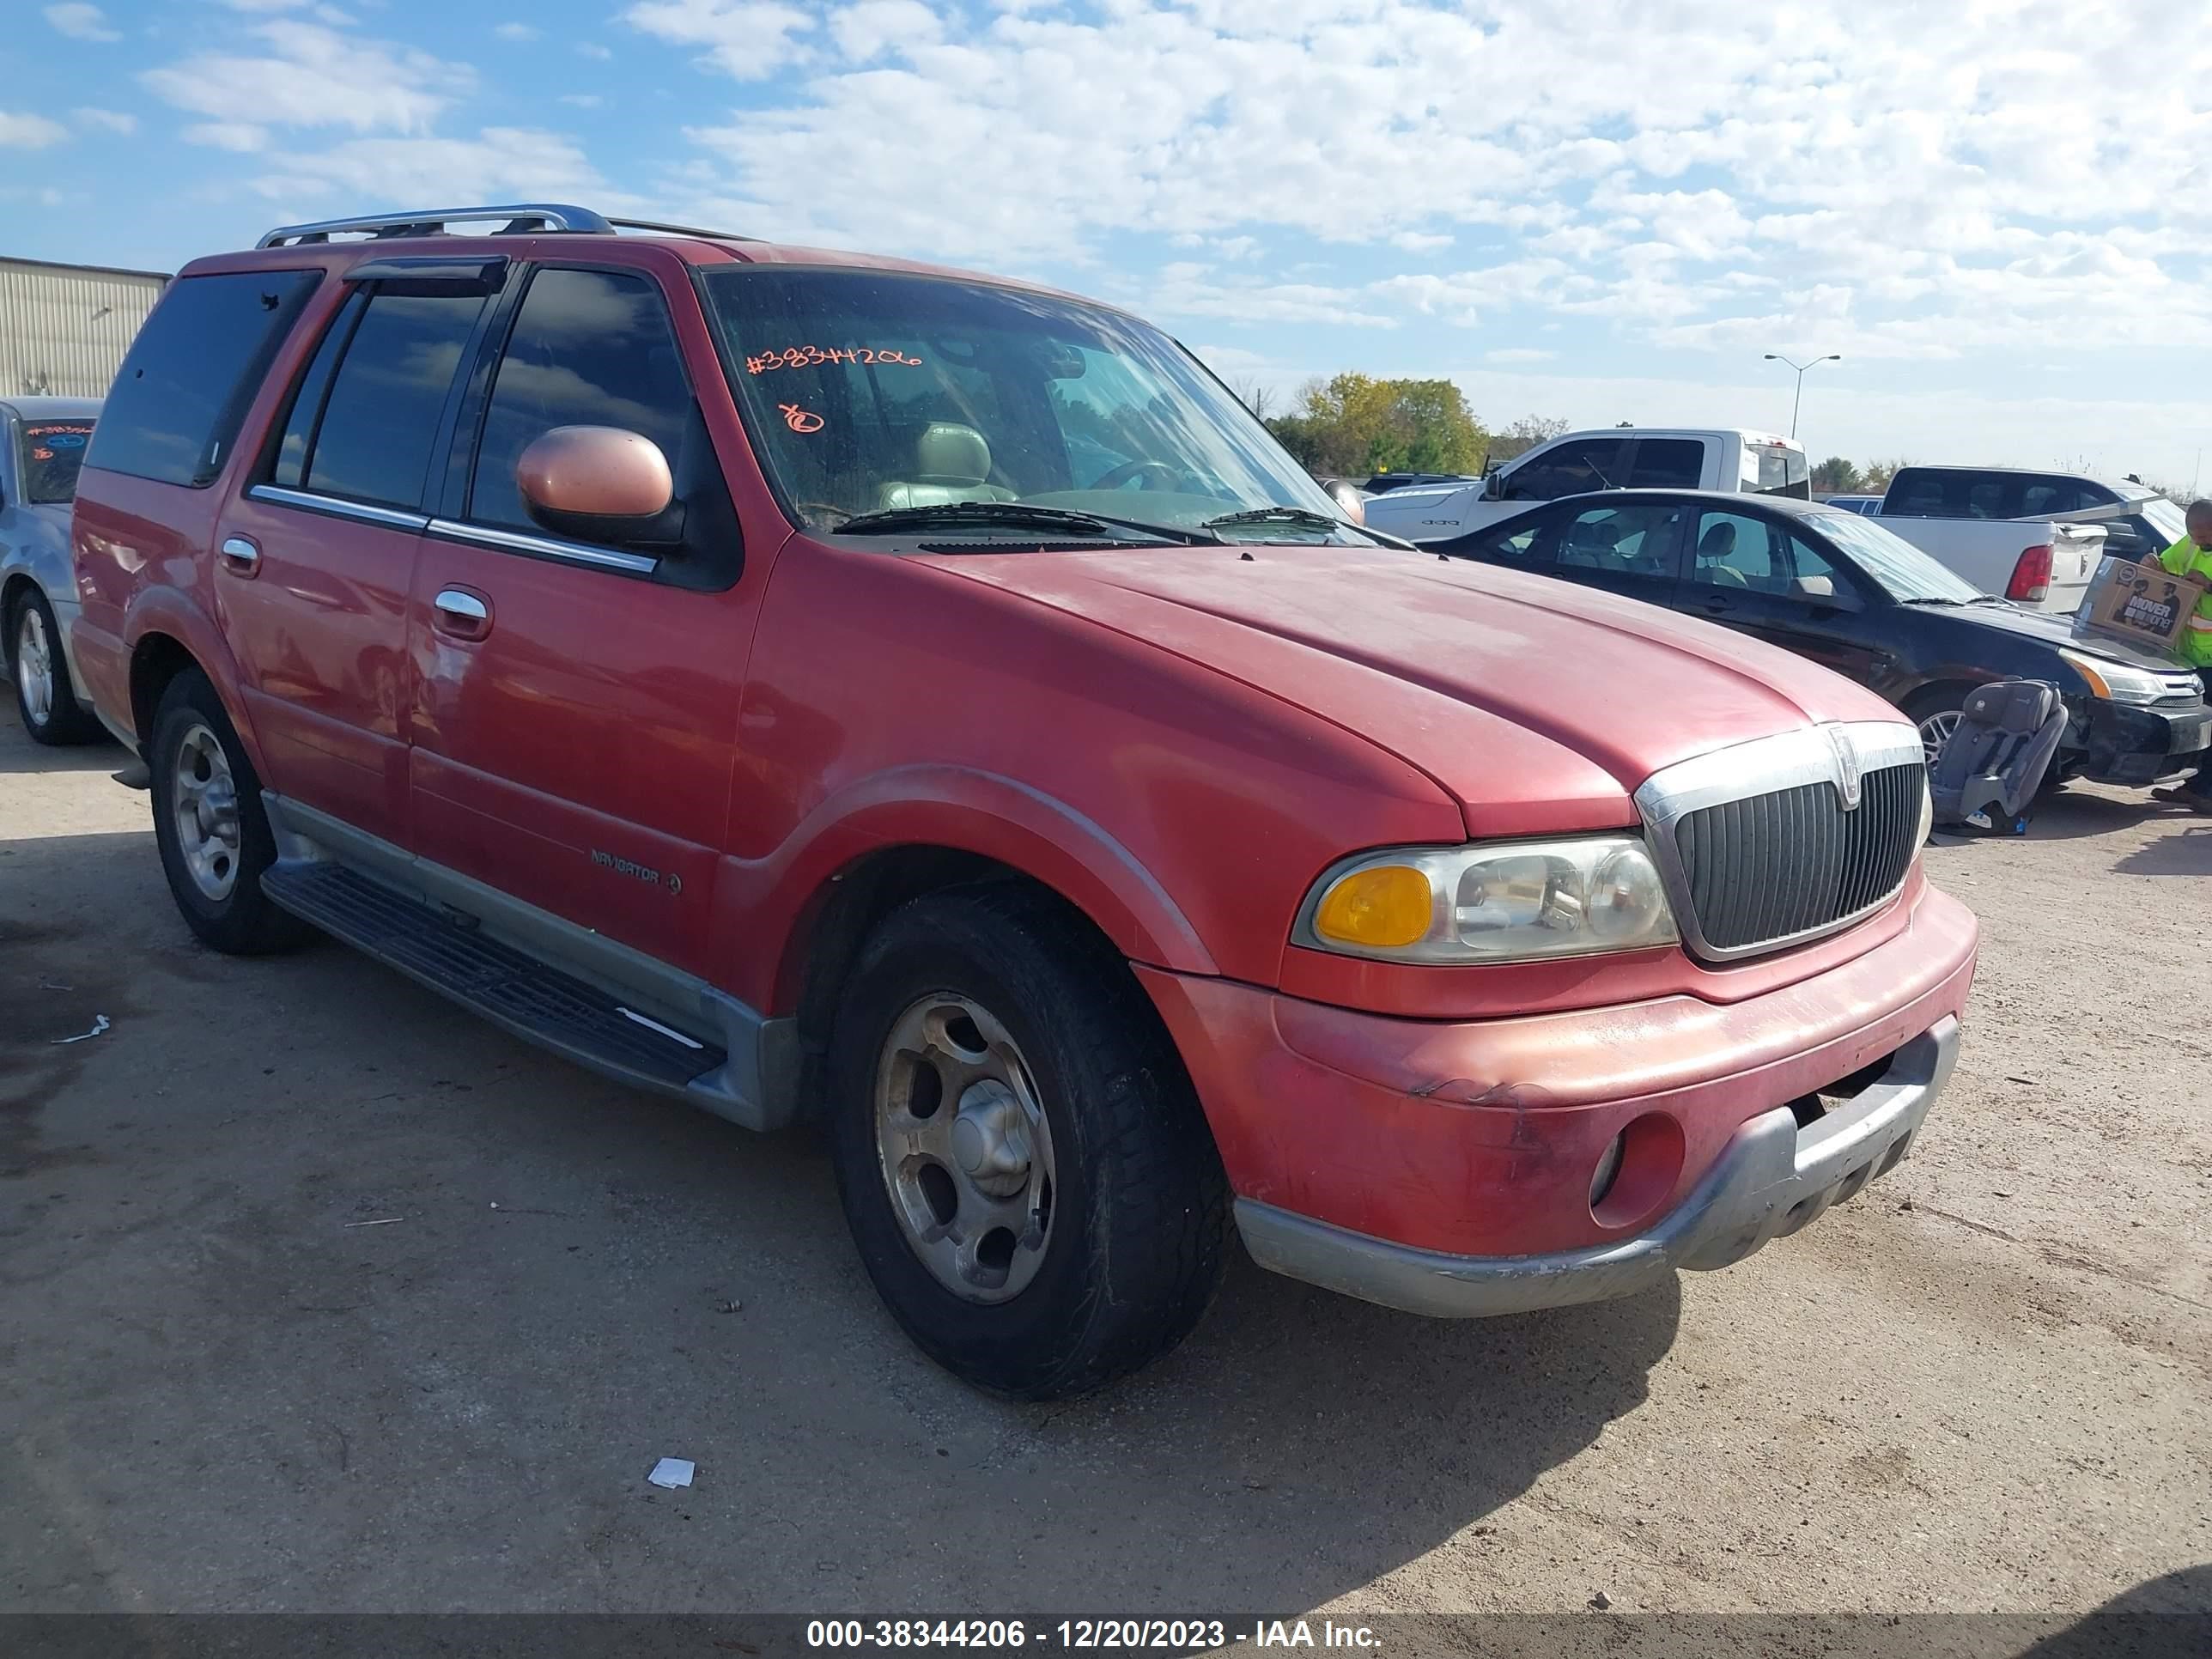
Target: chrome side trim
x,y
548,547
1770,1179
758,1085
1786,760
276,495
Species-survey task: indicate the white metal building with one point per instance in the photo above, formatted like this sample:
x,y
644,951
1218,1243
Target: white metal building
x,y
63,329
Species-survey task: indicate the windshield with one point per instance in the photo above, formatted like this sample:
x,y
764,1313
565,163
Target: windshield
x,y
52,451
871,391
1900,569
2168,519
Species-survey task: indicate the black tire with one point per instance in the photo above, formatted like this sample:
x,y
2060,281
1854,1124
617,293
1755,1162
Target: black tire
x,y
241,923
66,722
1139,1206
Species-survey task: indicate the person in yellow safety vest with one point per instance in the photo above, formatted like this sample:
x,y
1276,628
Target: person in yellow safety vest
x,y
2192,556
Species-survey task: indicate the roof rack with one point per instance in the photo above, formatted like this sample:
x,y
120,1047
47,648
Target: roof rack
x,y
519,218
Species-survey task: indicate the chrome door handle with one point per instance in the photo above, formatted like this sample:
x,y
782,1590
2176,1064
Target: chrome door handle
x,y
462,607
461,614
240,556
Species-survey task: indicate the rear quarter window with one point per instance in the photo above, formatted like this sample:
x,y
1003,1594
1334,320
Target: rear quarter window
x,y
177,402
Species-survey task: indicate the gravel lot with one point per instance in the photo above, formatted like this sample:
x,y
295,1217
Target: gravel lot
x,y
1980,1387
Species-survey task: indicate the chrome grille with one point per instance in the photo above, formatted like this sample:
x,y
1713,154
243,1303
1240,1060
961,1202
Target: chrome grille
x,y
1779,865
1759,848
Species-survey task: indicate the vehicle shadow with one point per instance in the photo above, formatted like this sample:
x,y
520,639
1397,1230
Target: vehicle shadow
x,y
2167,1616
2187,851
19,754
2076,813
489,1290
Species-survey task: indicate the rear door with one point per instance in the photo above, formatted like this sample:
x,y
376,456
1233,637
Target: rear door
x,y
576,701
316,557
1760,577
1625,547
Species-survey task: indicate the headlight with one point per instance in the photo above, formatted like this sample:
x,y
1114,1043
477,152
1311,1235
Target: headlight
x,y
2115,682
1504,901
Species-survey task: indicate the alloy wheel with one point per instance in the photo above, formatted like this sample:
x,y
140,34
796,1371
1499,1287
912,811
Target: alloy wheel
x,y
34,666
204,801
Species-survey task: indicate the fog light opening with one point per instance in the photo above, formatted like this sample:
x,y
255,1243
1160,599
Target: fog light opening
x,y
1637,1173
1609,1166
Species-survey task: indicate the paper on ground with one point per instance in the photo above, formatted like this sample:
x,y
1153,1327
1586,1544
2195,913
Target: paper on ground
x,y
671,1472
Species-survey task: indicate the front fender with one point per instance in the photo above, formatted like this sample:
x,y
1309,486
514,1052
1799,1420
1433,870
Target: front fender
x,y
762,905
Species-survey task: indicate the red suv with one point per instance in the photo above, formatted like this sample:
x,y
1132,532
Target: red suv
x,y
817,686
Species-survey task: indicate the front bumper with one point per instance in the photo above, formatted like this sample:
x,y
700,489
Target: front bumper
x,y
1773,1178
2132,744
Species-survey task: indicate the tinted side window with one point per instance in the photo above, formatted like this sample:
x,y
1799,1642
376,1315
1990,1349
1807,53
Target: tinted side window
x,y
1525,542
589,348
314,388
1667,464
2044,496
380,417
1735,550
1634,540
177,402
1918,495
1572,468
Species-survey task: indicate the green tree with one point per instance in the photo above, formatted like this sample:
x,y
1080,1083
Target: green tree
x,y
1353,425
1878,473
1837,476
1524,434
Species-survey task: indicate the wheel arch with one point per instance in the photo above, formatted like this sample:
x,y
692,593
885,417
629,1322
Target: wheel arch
x,y
164,636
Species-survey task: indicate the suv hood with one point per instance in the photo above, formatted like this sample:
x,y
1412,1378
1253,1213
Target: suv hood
x,y
1539,706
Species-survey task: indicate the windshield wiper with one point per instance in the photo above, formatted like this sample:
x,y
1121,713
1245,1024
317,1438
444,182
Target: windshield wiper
x,y
1977,598
1296,516
1012,515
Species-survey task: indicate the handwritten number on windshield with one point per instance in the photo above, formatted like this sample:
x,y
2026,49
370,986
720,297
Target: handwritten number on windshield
x,y
812,356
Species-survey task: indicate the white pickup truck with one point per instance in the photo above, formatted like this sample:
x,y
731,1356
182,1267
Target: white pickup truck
x,y
2025,535
1614,458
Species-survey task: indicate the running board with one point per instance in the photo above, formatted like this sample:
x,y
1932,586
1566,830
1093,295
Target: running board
x,y
515,992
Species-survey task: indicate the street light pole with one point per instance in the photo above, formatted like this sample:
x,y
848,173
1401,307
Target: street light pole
x,y
1797,402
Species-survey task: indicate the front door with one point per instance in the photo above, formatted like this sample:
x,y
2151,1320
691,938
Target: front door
x,y
316,559
576,701
1754,573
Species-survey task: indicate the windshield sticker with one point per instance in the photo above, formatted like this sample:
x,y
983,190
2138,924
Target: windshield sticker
x,y
800,420
809,356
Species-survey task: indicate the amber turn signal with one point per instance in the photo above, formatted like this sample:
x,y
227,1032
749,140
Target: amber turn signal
x,y
1381,907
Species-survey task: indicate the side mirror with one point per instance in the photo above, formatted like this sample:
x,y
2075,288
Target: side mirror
x,y
600,483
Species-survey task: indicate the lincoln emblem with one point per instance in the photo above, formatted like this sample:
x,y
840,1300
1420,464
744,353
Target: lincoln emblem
x,y
1847,767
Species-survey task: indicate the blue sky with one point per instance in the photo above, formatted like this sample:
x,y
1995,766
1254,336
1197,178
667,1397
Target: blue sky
x,y
1603,211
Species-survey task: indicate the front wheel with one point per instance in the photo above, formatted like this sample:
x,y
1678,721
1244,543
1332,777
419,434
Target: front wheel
x,y
1936,714
43,696
1022,1163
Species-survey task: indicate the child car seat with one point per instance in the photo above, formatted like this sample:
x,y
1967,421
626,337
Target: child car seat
x,y
1994,762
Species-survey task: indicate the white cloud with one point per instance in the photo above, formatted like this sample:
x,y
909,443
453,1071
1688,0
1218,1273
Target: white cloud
x,y
745,39
29,132
313,77
242,136
1893,169
517,32
514,162
1192,290
81,22
114,120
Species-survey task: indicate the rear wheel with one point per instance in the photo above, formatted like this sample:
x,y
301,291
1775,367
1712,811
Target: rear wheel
x,y
43,696
1025,1168
214,836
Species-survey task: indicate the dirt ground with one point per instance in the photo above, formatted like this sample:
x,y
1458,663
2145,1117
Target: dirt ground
x,y
317,1294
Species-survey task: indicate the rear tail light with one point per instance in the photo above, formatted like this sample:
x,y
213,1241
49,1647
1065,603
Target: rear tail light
x,y
2030,577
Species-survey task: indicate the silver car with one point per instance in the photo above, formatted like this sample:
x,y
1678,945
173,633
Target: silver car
x,y
42,443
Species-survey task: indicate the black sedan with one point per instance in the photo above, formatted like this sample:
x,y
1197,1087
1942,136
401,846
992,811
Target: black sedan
x,y
1840,589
